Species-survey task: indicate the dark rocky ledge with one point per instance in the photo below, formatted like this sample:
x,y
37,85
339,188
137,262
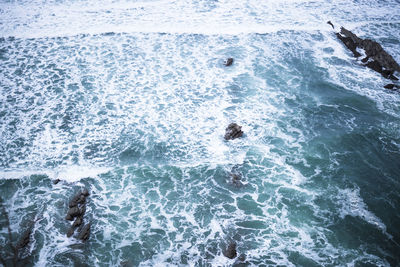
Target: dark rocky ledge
x,y
376,58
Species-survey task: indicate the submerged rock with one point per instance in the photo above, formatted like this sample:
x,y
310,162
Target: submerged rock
x,y
233,131
230,252
236,179
56,181
228,62
24,239
85,232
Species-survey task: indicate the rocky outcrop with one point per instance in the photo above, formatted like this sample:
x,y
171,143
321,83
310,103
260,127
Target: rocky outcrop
x,y
230,251
376,58
228,62
233,131
77,209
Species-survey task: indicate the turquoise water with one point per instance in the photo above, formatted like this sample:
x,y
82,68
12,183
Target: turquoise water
x,y
131,100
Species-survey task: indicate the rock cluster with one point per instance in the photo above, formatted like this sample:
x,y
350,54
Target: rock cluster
x,y
77,209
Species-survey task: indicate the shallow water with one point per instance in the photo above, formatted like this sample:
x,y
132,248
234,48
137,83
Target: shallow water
x,y
131,100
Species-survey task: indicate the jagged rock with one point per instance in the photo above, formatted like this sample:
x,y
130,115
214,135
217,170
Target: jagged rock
x,y
330,23
70,231
78,221
228,62
85,232
233,131
381,62
349,43
56,181
230,252
375,51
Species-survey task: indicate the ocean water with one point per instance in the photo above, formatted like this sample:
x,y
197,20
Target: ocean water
x,y
130,99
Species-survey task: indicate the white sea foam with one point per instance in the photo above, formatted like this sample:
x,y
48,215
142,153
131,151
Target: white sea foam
x,y
29,19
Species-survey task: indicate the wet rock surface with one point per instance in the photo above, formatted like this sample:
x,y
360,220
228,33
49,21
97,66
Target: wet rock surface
x,y
233,131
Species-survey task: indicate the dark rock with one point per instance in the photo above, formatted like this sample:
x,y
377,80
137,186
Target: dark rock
x,y
85,192
85,232
233,131
70,231
82,199
349,43
82,210
56,181
364,60
354,38
230,252
74,201
374,65
375,51
392,86
389,86
78,221
228,62
330,23
79,198
69,217
73,212
386,73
